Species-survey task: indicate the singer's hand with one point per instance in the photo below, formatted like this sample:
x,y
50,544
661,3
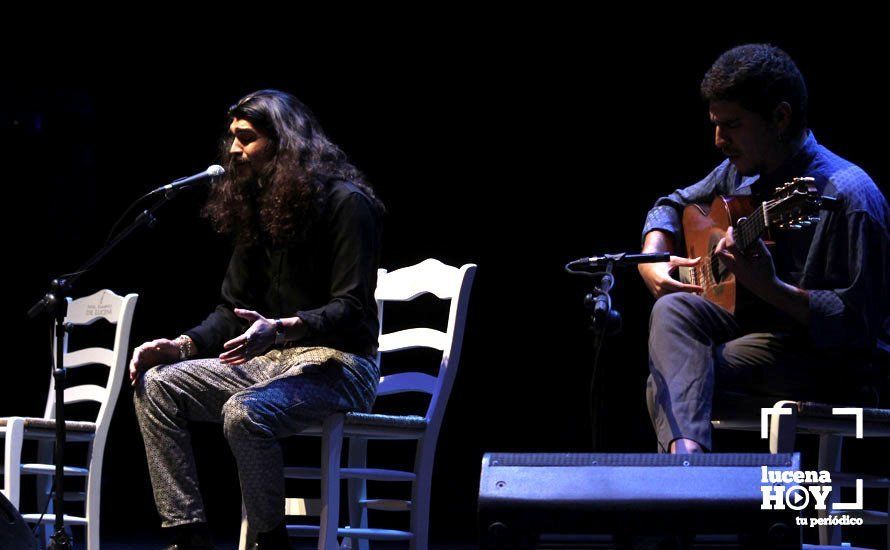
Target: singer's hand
x,y
152,354
658,278
255,340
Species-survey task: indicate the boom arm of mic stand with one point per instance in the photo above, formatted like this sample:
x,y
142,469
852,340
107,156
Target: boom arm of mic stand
x,y
64,283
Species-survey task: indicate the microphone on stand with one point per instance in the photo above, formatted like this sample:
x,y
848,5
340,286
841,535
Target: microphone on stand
x,y
620,259
213,171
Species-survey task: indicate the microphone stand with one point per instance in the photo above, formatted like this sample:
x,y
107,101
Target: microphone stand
x,y
56,306
604,319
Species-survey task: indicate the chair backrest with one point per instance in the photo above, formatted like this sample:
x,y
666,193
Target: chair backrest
x,y
117,310
446,283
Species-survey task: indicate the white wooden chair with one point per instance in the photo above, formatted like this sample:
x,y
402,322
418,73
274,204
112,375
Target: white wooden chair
x,y
83,311
427,277
821,419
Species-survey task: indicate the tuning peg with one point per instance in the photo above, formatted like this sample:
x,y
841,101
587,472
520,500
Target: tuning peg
x,y
814,219
795,226
779,189
804,223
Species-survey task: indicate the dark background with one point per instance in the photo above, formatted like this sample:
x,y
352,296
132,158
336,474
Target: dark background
x,y
511,150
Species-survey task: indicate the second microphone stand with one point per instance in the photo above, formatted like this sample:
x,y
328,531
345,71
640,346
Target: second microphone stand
x,y
604,321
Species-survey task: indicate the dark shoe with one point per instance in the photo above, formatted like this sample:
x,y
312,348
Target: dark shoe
x,y
276,539
193,536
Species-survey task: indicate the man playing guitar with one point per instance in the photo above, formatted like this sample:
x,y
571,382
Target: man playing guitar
x,y
818,301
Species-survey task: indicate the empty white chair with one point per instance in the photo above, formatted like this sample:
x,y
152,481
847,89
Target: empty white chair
x,y
117,310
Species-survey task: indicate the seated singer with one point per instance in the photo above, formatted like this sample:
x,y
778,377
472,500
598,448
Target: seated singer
x,y
818,300
295,337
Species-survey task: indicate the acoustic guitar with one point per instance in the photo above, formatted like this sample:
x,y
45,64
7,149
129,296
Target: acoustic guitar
x,y
792,207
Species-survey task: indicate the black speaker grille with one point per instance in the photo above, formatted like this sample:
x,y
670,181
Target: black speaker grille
x,y
642,460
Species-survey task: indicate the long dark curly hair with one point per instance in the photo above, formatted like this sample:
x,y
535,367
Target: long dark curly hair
x,y
284,201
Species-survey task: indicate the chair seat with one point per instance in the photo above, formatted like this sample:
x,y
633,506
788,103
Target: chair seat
x,y
377,426
408,422
33,423
812,417
809,409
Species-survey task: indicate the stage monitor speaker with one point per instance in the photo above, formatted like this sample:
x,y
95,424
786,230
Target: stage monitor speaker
x,y
525,495
14,533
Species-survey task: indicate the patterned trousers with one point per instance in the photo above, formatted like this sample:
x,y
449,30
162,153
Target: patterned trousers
x,y
267,398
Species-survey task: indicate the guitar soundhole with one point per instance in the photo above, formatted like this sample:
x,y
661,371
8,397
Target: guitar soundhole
x,y
718,272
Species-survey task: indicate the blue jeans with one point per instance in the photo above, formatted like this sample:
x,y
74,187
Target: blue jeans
x,y
698,350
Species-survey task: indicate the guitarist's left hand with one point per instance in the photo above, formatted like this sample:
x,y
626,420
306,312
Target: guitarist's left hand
x,y
754,269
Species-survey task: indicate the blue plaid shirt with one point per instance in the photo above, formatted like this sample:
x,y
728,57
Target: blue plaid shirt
x,y
843,261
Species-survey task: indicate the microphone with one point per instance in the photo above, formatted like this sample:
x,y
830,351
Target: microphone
x,y
622,258
213,171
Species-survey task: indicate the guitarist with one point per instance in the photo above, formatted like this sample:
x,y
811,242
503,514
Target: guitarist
x,y
821,296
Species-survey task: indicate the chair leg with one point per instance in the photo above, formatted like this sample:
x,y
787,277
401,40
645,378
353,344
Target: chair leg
x,y
12,460
93,499
331,447
783,429
358,491
830,459
247,538
420,493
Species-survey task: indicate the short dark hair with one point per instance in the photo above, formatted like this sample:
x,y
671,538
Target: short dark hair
x,y
758,77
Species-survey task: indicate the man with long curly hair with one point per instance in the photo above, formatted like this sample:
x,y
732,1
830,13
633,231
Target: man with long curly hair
x,y
821,300
295,337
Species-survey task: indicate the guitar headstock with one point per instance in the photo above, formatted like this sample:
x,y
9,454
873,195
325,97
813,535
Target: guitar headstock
x,y
794,205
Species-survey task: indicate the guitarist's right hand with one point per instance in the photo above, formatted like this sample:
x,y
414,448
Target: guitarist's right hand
x,y
658,278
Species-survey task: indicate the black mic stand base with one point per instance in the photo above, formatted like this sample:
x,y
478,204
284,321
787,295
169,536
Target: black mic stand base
x,y
59,541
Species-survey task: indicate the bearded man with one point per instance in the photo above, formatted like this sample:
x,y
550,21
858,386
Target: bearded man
x,y
819,301
295,336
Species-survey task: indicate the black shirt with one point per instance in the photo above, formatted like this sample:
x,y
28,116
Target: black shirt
x,y
328,280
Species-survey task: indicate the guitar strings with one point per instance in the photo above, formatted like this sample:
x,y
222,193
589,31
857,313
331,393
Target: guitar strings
x,y
705,277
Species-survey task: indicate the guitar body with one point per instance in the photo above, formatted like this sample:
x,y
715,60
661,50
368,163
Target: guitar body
x,y
703,227
791,208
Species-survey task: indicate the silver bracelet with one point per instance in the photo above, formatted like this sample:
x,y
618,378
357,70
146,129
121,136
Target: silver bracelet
x,y
186,347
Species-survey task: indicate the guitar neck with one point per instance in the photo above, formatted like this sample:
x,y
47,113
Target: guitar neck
x,y
749,229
